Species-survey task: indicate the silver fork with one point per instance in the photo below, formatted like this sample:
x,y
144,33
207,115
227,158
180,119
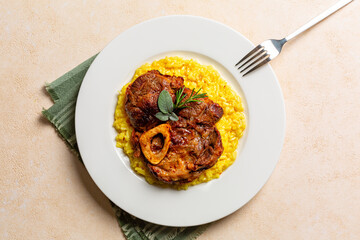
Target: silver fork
x,y
268,50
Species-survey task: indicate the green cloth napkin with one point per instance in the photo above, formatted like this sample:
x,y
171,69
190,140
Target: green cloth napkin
x,y
64,92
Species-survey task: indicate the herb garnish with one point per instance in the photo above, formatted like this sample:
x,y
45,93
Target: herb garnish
x,y
167,106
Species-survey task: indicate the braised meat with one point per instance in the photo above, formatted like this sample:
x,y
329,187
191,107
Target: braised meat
x,y
193,149
142,96
194,143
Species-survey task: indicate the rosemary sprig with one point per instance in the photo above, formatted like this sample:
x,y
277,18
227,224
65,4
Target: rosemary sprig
x,y
167,107
194,96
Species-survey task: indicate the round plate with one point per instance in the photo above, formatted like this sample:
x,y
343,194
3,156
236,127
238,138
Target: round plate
x,y
209,42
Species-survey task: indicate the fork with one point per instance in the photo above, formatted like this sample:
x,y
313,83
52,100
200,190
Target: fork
x,y
269,49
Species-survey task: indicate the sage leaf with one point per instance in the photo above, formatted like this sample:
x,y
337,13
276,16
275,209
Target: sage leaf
x,y
173,117
169,103
165,102
162,116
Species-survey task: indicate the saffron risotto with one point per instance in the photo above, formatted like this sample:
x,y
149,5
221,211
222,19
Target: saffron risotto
x,y
231,126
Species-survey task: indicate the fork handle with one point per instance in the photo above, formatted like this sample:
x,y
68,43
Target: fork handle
x,y
319,18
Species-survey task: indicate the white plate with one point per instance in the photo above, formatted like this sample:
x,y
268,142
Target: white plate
x,y
209,42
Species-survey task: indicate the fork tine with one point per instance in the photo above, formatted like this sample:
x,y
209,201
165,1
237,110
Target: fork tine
x,y
249,54
261,52
266,60
256,62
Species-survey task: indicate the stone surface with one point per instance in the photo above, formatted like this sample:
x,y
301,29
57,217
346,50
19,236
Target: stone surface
x,y
312,194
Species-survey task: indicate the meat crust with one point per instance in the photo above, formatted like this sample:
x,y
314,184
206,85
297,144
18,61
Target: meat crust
x,y
205,112
142,95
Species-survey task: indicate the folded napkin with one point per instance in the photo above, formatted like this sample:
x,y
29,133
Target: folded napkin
x,y
64,92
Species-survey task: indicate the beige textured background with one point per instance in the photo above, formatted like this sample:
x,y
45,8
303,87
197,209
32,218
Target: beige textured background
x,y
314,192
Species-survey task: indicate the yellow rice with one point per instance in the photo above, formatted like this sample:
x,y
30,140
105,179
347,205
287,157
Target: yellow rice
x,y
231,126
